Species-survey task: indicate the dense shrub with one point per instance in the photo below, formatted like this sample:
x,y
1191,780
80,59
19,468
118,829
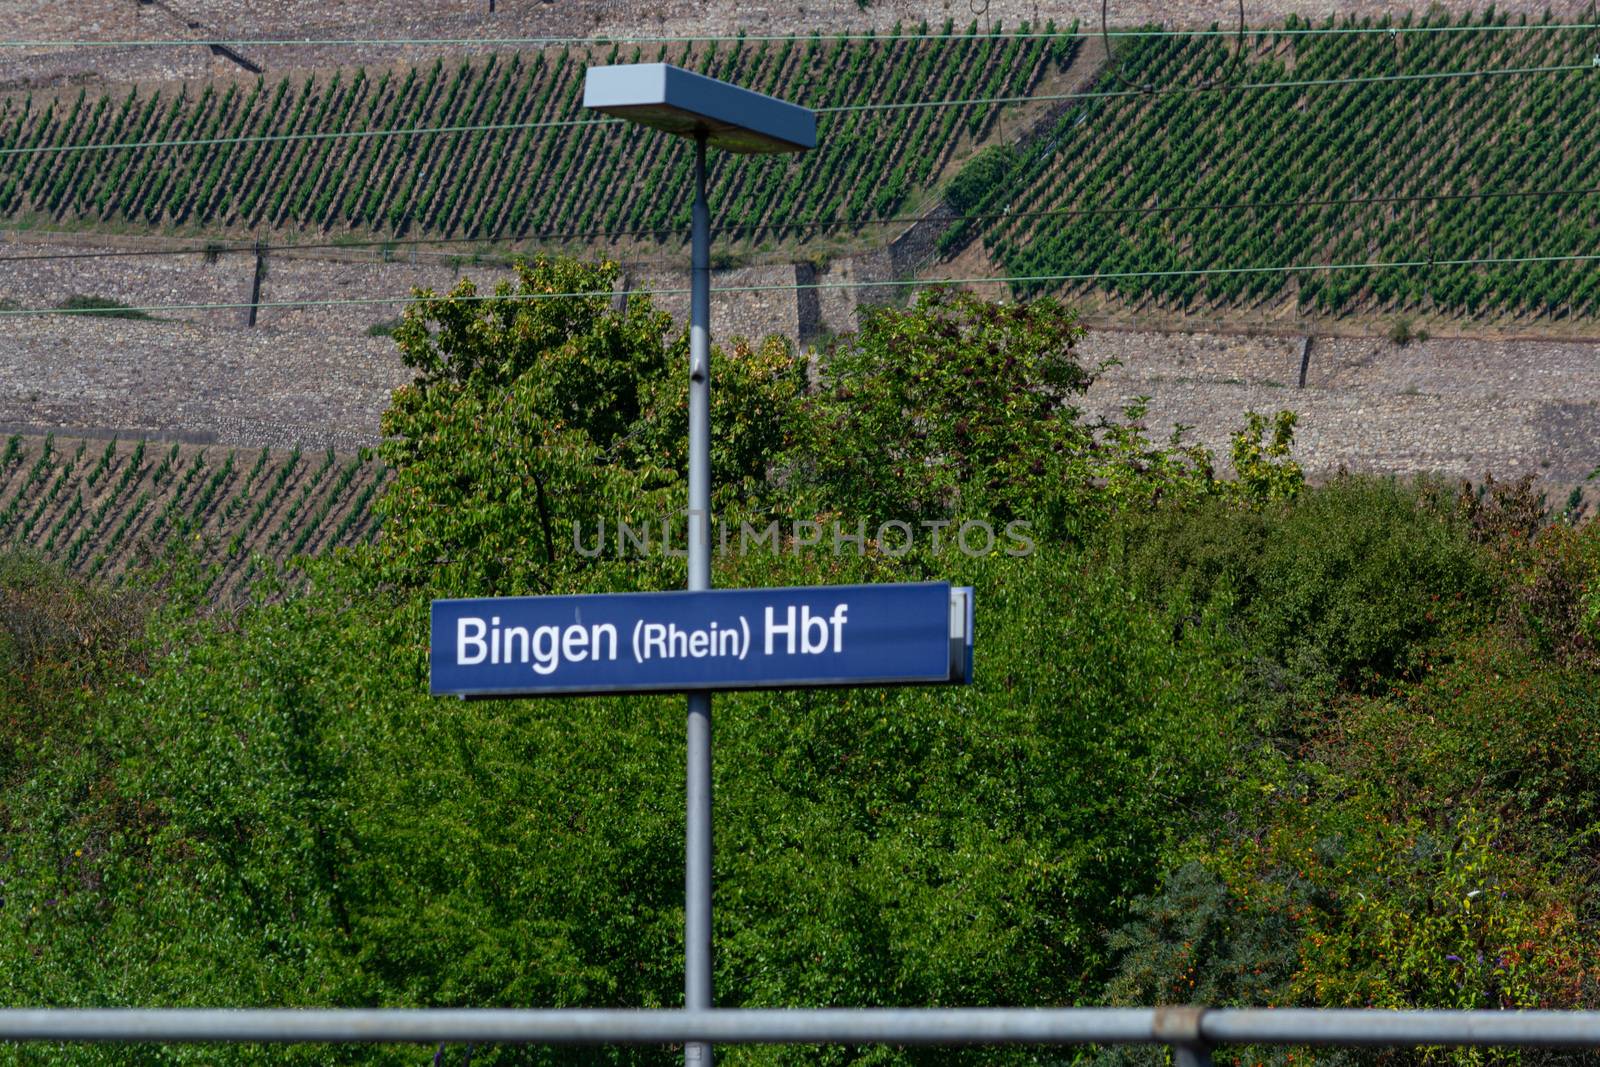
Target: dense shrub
x,y
297,822
1431,847
955,406
62,641
1234,742
536,423
979,177
1355,582
1552,583
1493,727
961,408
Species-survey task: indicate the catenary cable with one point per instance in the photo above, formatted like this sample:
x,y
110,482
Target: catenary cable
x,y
221,248
327,135
1198,272
996,101
606,40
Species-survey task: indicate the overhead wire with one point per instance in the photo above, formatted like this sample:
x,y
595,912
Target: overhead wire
x,y
326,135
1304,83
1170,90
222,248
606,40
1015,279
833,224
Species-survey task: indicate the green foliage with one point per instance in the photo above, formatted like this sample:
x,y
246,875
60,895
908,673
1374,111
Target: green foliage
x,y
1453,920
955,406
958,407
101,306
980,187
61,643
1551,574
1199,942
756,419
1336,903
1317,169
533,421
1494,727
981,175
1412,911
1230,741
1430,846
1124,471
291,808
1263,469
973,859
1355,583
529,174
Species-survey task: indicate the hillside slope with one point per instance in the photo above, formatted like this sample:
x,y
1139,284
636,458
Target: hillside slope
x,y
1193,173
541,165
99,507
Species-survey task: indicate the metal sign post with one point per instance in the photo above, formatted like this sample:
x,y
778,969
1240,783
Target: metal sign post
x,y
697,848
682,102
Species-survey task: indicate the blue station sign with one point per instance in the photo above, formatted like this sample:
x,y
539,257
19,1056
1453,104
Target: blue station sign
x,y
841,635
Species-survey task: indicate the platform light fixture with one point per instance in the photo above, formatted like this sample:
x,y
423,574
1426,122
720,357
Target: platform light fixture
x,y
735,119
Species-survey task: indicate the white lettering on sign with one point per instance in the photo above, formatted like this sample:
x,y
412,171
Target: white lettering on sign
x,y
809,631
788,631
668,640
543,648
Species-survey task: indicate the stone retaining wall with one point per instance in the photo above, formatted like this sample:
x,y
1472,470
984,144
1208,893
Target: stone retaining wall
x,y
110,271
762,301
312,376
194,381
1456,407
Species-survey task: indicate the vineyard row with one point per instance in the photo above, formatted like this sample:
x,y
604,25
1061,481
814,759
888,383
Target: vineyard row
x,y
483,184
100,508
1374,139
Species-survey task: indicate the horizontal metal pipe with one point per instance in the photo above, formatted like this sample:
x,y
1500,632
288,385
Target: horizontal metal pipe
x,y
919,1026
1355,1026
958,1026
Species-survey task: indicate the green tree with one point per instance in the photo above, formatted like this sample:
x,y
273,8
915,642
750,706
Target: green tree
x,y
504,439
539,420
1262,468
955,404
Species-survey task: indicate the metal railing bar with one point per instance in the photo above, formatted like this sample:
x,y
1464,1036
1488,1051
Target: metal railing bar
x,y
1356,1026
894,1026
924,1026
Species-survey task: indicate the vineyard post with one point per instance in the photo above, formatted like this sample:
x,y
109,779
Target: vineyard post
x,y
738,120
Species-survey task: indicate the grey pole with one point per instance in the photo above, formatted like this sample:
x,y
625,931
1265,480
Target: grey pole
x,y
1181,1026
714,112
697,853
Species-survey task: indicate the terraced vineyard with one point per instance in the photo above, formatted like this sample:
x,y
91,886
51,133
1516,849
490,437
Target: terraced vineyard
x,y
1394,139
98,507
610,176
